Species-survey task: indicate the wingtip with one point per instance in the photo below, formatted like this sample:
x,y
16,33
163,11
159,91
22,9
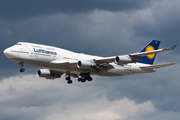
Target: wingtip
x,y
172,47
174,63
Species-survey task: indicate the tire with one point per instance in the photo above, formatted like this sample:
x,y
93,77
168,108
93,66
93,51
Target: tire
x,y
79,79
83,80
69,81
22,70
67,78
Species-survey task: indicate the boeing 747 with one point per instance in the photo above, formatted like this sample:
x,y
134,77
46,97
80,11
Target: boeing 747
x,y
58,61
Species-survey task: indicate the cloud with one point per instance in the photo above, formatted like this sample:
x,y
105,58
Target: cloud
x,y
100,109
159,22
120,28
23,9
95,29
30,97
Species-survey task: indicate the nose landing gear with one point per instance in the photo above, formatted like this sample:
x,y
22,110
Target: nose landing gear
x,y
22,69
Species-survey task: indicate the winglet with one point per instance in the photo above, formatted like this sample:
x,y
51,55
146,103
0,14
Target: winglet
x,y
172,47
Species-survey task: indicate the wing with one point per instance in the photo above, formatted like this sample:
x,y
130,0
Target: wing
x,y
141,54
132,57
103,64
100,64
157,66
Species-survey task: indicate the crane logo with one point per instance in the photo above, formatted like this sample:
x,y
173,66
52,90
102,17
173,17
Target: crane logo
x,y
150,48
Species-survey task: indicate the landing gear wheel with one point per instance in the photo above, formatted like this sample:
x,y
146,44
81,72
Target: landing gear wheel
x,y
69,81
83,80
68,78
85,77
79,79
22,70
89,78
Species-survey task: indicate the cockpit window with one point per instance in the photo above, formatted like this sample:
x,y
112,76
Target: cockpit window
x,y
18,44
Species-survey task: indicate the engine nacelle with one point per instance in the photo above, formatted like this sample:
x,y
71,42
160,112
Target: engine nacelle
x,y
84,64
123,60
46,73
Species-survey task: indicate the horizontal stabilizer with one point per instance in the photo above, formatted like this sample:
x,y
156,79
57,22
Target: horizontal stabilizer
x,y
157,66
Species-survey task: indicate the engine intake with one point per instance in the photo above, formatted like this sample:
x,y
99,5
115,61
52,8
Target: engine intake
x,y
46,73
123,60
84,64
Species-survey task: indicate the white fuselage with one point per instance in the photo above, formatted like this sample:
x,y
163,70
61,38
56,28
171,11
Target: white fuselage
x,y
44,56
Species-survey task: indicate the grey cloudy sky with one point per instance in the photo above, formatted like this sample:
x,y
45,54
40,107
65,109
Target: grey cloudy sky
x,y
97,27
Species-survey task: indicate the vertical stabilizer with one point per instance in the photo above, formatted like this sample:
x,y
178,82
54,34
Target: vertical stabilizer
x,y
149,59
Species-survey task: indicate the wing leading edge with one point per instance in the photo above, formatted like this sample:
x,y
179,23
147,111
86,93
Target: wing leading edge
x,y
152,52
135,56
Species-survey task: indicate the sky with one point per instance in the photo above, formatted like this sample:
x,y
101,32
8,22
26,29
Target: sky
x,y
96,27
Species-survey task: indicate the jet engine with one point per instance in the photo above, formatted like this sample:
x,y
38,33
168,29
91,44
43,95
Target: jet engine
x,y
123,60
84,64
46,73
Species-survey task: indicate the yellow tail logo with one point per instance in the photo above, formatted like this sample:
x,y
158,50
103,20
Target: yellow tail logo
x,y
150,48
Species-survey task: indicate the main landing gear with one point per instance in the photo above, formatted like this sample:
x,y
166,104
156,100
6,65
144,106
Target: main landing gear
x,y
22,69
85,77
69,81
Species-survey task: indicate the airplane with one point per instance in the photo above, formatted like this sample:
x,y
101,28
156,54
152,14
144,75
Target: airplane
x,y
57,61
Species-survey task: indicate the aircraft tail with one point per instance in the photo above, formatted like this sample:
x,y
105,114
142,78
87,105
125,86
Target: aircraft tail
x,y
149,59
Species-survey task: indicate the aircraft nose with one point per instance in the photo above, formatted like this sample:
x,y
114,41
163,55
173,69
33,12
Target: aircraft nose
x,y
7,52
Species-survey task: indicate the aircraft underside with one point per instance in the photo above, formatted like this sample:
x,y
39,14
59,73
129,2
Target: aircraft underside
x,y
55,71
